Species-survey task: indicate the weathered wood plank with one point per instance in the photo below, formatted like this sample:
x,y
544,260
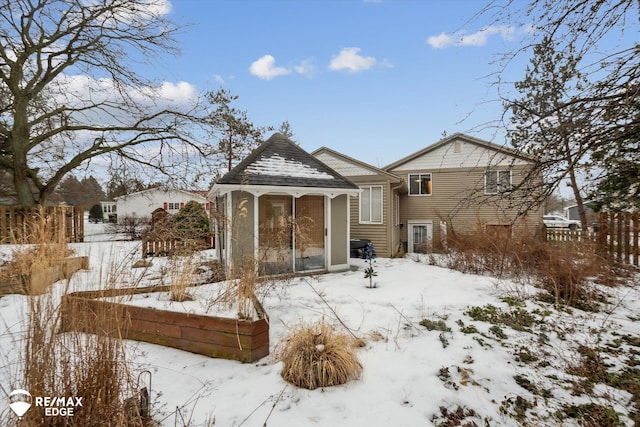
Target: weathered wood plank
x,y
236,339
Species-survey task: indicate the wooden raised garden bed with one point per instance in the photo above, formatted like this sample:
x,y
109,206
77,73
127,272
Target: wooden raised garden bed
x,y
39,281
237,339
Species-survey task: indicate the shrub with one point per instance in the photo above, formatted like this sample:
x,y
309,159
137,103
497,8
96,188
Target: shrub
x,y
593,415
191,219
435,325
95,213
563,271
131,225
317,355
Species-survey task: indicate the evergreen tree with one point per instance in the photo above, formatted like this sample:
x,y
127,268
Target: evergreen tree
x,y
191,220
92,191
286,130
71,191
608,105
618,168
548,122
236,135
95,213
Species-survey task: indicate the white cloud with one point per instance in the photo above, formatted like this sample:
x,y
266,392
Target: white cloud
x,y
349,59
479,38
136,12
265,68
180,93
306,67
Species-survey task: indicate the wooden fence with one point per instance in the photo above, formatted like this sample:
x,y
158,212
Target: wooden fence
x,y
615,236
154,246
63,223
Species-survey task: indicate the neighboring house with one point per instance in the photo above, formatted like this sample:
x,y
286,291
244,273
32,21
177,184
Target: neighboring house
x,y
143,203
571,212
109,210
457,184
374,215
285,210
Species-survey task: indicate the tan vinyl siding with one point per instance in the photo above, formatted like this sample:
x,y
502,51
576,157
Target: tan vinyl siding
x,y
458,198
379,234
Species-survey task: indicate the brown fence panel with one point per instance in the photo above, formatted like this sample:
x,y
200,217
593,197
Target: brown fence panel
x,y
66,223
616,237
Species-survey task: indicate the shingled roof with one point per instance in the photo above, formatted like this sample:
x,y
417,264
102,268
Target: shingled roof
x,y
280,162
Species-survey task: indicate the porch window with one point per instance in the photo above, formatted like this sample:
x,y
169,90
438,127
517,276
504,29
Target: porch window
x,y
420,184
371,205
496,182
291,234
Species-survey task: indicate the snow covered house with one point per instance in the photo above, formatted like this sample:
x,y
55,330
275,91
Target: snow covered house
x,y
283,210
143,203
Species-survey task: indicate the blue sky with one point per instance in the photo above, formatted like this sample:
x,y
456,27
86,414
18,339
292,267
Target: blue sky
x,y
376,80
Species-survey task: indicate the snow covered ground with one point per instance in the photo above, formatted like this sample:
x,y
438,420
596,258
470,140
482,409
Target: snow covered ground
x,y
517,368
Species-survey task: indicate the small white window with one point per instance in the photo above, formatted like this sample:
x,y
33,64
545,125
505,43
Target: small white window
x,y
371,205
496,182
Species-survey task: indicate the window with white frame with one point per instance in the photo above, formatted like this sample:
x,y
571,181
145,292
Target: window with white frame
x,y
420,184
496,181
174,206
371,205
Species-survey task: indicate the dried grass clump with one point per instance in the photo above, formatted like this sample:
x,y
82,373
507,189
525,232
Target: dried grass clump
x,y
75,364
317,355
181,274
37,251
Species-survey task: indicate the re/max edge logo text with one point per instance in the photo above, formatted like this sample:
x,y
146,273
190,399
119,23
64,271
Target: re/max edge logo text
x,y
58,406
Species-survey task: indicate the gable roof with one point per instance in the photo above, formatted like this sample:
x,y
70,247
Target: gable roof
x,y
280,162
466,138
391,177
194,193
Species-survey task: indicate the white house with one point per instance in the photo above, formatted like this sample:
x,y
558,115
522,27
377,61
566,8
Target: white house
x,y
109,210
143,203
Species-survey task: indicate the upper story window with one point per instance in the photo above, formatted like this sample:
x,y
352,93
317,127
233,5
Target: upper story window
x,y
420,184
371,205
174,206
496,182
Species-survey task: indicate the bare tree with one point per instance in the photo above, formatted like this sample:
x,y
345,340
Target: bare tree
x,y
609,101
70,93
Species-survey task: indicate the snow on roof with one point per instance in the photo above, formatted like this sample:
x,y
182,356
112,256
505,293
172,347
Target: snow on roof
x,y
276,165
